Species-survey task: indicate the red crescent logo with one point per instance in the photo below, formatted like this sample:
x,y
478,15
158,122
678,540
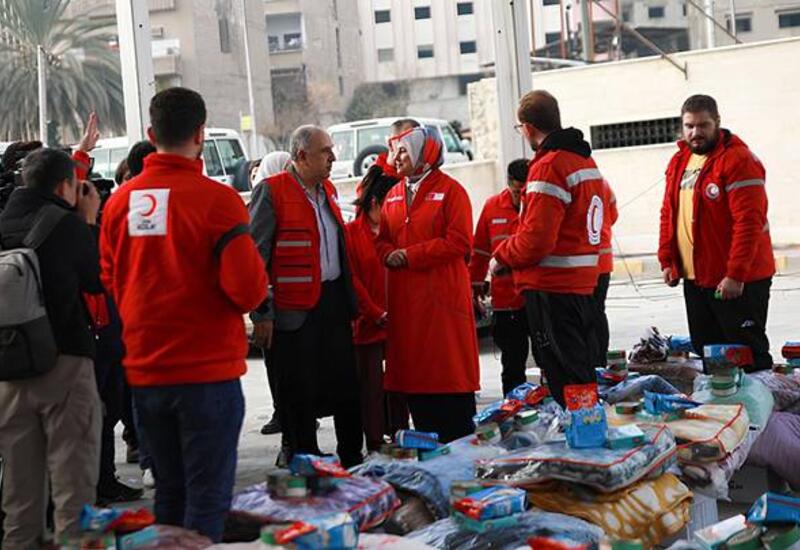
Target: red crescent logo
x,y
153,204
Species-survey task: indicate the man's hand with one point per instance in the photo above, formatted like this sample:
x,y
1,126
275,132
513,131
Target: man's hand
x,y
668,278
497,269
729,289
88,203
90,134
262,334
397,258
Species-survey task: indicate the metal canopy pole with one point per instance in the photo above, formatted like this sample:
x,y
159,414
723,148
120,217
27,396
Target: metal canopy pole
x,y
250,94
136,58
512,73
41,73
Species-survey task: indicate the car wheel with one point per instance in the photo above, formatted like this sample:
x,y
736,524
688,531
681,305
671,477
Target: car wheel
x,y
367,158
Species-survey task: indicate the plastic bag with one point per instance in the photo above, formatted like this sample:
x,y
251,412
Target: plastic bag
x,y
603,469
163,536
446,533
634,388
652,348
754,395
785,388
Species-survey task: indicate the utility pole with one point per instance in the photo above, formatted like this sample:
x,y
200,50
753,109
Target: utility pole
x,y
711,32
136,59
733,17
41,70
586,32
250,94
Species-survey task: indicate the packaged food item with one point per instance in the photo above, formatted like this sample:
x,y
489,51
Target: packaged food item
x,y
498,412
492,502
748,538
787,369
586,424
771,508
526,420
412,439
488,433
138,539
791,350
481,526
98,520
334,531
529,394
465,488
321,486
680,344
399,453
441,450
284,484
781,537
660,403
625,437
556,542
284,533
313,465
715,536
628,407
727,355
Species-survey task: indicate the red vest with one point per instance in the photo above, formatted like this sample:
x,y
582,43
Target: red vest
x,y
295,270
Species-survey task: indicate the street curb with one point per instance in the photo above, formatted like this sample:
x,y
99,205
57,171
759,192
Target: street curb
x,y
649,268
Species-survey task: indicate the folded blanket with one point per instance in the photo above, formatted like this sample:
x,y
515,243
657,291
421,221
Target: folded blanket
x,y
651,511
603,469
448,535
711,478
779,446
785,388
680,374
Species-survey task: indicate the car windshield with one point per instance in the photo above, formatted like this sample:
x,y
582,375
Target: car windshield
x,y
211,159
451,141
372,136
230,153
343,145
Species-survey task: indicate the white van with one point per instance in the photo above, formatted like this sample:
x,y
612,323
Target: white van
x,y
222,151
357,144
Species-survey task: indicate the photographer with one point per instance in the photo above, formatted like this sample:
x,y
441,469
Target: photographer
x,y
52,421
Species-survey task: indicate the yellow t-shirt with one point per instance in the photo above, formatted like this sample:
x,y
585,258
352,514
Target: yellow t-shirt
x,y
686,214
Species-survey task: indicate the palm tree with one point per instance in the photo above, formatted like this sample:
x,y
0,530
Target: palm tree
x,y
83,69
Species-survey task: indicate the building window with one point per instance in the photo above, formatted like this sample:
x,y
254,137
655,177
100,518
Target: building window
x,y
292,41
655,12
551,2
383,16
422,12
787,20
632,134
274,43
425,52
385,55
743,24
468,47
464,80
464,8
224,35
551,37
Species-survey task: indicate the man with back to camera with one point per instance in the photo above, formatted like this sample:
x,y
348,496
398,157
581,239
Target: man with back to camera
x,y
715,234
50,423
555,250
177,256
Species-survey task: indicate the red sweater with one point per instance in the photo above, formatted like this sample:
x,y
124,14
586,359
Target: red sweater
x,y
731,233
182,268
369,277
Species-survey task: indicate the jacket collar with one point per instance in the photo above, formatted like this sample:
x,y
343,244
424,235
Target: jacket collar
x,y
725,141
568,139
157,161
505,200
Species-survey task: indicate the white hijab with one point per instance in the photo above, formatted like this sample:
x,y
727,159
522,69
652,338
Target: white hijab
x,y
272,163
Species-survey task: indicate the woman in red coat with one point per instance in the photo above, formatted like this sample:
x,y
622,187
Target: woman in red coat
x,y
425,240
381,413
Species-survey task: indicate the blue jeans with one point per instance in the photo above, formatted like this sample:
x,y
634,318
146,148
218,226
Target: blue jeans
x,y
192,432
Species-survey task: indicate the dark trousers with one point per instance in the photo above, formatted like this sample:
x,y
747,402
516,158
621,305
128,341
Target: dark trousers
x,y
192,432
740,321
318,377
272,378
447,414
562,326
601,332
110,386
510,333
382,412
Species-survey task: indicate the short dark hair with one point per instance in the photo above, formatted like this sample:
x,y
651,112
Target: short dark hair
x,y
404,123
699,103
122,173
17,151
44,169
540,109
136,156
374,186
518,169
175,115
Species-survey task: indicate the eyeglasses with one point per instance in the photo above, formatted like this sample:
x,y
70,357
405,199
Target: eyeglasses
x,y
519,128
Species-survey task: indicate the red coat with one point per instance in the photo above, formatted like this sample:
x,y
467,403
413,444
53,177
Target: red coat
x,y
369,278
731,233
557,244
431,342
606,263
178,259
498,221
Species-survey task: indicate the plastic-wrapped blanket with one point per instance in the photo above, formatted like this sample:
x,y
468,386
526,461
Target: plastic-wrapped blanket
x,y
754,395
680,374
446,534
603,469
650,511
634,388
431,479
785,388
368,501
711,478
778,447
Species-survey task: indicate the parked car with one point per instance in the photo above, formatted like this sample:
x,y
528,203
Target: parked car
x,y
222,151
357,144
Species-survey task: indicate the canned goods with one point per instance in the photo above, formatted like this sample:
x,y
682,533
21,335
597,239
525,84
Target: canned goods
x,y
488,433
746,539
781,538
628,407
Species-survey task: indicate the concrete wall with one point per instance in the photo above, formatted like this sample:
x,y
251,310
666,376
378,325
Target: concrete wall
x,y
756,88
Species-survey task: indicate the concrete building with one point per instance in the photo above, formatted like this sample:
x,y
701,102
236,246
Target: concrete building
x,y
315,59
200,45
756,20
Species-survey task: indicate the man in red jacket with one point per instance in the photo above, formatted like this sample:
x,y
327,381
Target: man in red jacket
x,y
178,259
715,234
555,251
498,221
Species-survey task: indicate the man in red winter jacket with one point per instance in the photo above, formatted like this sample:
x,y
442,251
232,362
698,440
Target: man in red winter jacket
x,y
178,258
715,234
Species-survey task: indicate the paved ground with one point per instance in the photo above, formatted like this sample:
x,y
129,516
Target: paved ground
x,y
631,308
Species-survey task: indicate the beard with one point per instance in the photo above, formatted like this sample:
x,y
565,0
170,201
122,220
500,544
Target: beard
x,y
706,146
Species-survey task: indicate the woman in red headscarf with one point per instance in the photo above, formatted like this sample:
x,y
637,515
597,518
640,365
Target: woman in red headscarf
x,y
425,240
